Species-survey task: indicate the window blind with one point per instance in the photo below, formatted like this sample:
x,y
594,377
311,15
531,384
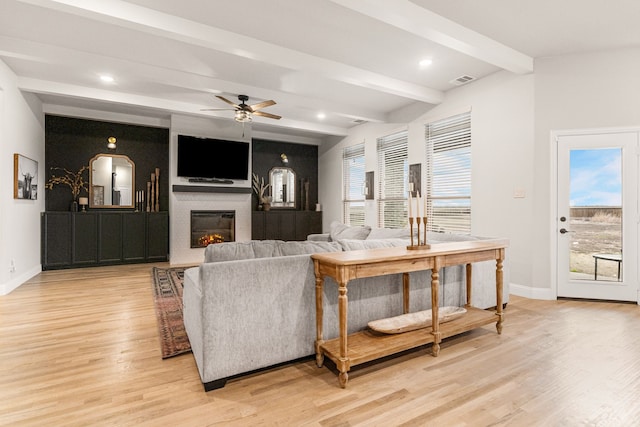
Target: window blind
x,y
353,181
448,174
393,171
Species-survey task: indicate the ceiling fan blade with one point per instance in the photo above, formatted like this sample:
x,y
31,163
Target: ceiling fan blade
x,y
217,109
263,104
268,115
222,98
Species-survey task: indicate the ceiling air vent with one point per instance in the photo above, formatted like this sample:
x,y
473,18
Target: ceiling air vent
x,y
462,80
359,121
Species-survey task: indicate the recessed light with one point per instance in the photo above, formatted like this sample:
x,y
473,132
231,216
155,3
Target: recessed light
x,y
425,63
106,78
321,116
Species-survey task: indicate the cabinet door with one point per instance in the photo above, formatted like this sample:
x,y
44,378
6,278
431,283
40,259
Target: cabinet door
x,y
287,225
133,237
157,236
110,237
257,225
308,222
56,240
85,238
272,226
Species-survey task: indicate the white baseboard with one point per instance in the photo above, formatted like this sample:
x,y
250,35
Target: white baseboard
x,y
530,292
14,283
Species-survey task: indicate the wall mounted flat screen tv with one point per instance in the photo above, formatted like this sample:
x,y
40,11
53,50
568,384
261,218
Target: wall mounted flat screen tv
x,y
212,158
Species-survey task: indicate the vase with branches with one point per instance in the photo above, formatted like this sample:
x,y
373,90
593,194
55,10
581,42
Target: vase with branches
x,y
261,189
74,180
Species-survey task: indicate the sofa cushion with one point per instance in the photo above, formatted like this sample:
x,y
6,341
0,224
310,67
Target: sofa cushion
x,y
307,247
389,233
354,245
339,231
230,251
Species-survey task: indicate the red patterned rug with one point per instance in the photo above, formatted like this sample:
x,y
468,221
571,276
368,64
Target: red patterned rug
x,y
167,296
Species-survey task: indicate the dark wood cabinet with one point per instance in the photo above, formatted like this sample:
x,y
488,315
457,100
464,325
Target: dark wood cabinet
x,y
56,239
285,224
83,239
158,237
134,235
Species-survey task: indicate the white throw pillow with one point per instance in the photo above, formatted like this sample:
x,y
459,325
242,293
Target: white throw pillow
x,y
339,231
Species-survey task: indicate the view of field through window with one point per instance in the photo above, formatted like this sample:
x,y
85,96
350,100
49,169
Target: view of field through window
x,y
596,213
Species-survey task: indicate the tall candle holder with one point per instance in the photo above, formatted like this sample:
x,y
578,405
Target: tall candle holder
x,y
421,244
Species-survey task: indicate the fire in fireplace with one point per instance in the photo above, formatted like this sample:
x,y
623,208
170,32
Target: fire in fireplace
x,y
208,227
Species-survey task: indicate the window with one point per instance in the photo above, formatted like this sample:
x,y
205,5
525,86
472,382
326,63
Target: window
x,y
393,171
448,172
353,178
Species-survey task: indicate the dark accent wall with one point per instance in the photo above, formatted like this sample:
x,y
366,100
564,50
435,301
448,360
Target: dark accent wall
x,y
71,142
303,159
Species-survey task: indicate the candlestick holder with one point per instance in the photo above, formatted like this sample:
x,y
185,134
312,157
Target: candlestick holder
x,y
420,244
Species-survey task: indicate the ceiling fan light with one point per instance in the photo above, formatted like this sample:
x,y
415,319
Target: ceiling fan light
x,y
242,116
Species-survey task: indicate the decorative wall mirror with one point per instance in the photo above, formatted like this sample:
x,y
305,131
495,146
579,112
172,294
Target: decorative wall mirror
x,y
111,181
283,187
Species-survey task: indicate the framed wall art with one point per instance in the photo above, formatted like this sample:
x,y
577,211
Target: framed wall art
x,y
415,179
25,178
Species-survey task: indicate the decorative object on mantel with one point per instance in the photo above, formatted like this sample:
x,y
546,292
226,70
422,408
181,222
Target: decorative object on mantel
x,y
153,192
139,200
418,320
418,218
264,201
83,201
75,181
157,189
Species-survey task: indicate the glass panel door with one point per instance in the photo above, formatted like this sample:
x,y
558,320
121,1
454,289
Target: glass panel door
x,y
597,212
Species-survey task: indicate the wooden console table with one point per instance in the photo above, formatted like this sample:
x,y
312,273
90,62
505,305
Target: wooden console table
x,y
350,350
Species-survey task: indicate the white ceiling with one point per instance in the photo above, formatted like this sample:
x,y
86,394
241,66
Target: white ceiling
x,y
353,60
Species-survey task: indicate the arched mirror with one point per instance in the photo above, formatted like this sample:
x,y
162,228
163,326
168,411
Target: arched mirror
x,y
111,181
283,187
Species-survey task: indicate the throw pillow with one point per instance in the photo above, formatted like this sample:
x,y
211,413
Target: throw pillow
x,y
307,247
339,231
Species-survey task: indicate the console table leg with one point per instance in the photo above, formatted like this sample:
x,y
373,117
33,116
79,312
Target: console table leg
x,y
499,286
319,316
405,292
435,322
343,378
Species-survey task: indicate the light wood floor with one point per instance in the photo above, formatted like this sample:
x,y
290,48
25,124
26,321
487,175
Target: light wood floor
x,y
80,348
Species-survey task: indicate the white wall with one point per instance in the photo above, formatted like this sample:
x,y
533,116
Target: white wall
x,y
181,204
22,132
502,108
581,91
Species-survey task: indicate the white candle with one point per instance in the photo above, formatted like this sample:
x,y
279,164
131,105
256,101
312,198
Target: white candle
x,y
424,214
418,204
410,202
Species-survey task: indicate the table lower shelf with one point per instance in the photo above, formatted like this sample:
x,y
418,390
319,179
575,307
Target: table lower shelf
x,y
368,345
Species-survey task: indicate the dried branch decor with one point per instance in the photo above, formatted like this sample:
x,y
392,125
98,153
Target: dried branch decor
x,y
75,180
260,188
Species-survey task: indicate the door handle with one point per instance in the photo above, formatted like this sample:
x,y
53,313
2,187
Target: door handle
x,y
564,230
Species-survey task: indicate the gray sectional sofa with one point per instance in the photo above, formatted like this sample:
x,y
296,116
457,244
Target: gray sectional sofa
x,y
251,305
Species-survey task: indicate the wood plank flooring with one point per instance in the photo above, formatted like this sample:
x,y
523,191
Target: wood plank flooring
x,y
80,348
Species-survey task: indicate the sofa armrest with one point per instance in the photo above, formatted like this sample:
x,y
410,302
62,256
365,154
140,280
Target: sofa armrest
x,y
321,237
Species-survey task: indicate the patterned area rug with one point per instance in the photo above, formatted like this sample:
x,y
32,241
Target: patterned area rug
x,y
167,296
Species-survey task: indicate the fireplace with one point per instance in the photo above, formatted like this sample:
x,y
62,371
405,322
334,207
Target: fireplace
x,y
209,227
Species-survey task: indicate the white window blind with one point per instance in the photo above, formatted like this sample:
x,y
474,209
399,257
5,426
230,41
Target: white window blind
x,y
448,173
393,170
353,181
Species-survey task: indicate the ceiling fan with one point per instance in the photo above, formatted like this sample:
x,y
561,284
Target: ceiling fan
x,y
245,112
